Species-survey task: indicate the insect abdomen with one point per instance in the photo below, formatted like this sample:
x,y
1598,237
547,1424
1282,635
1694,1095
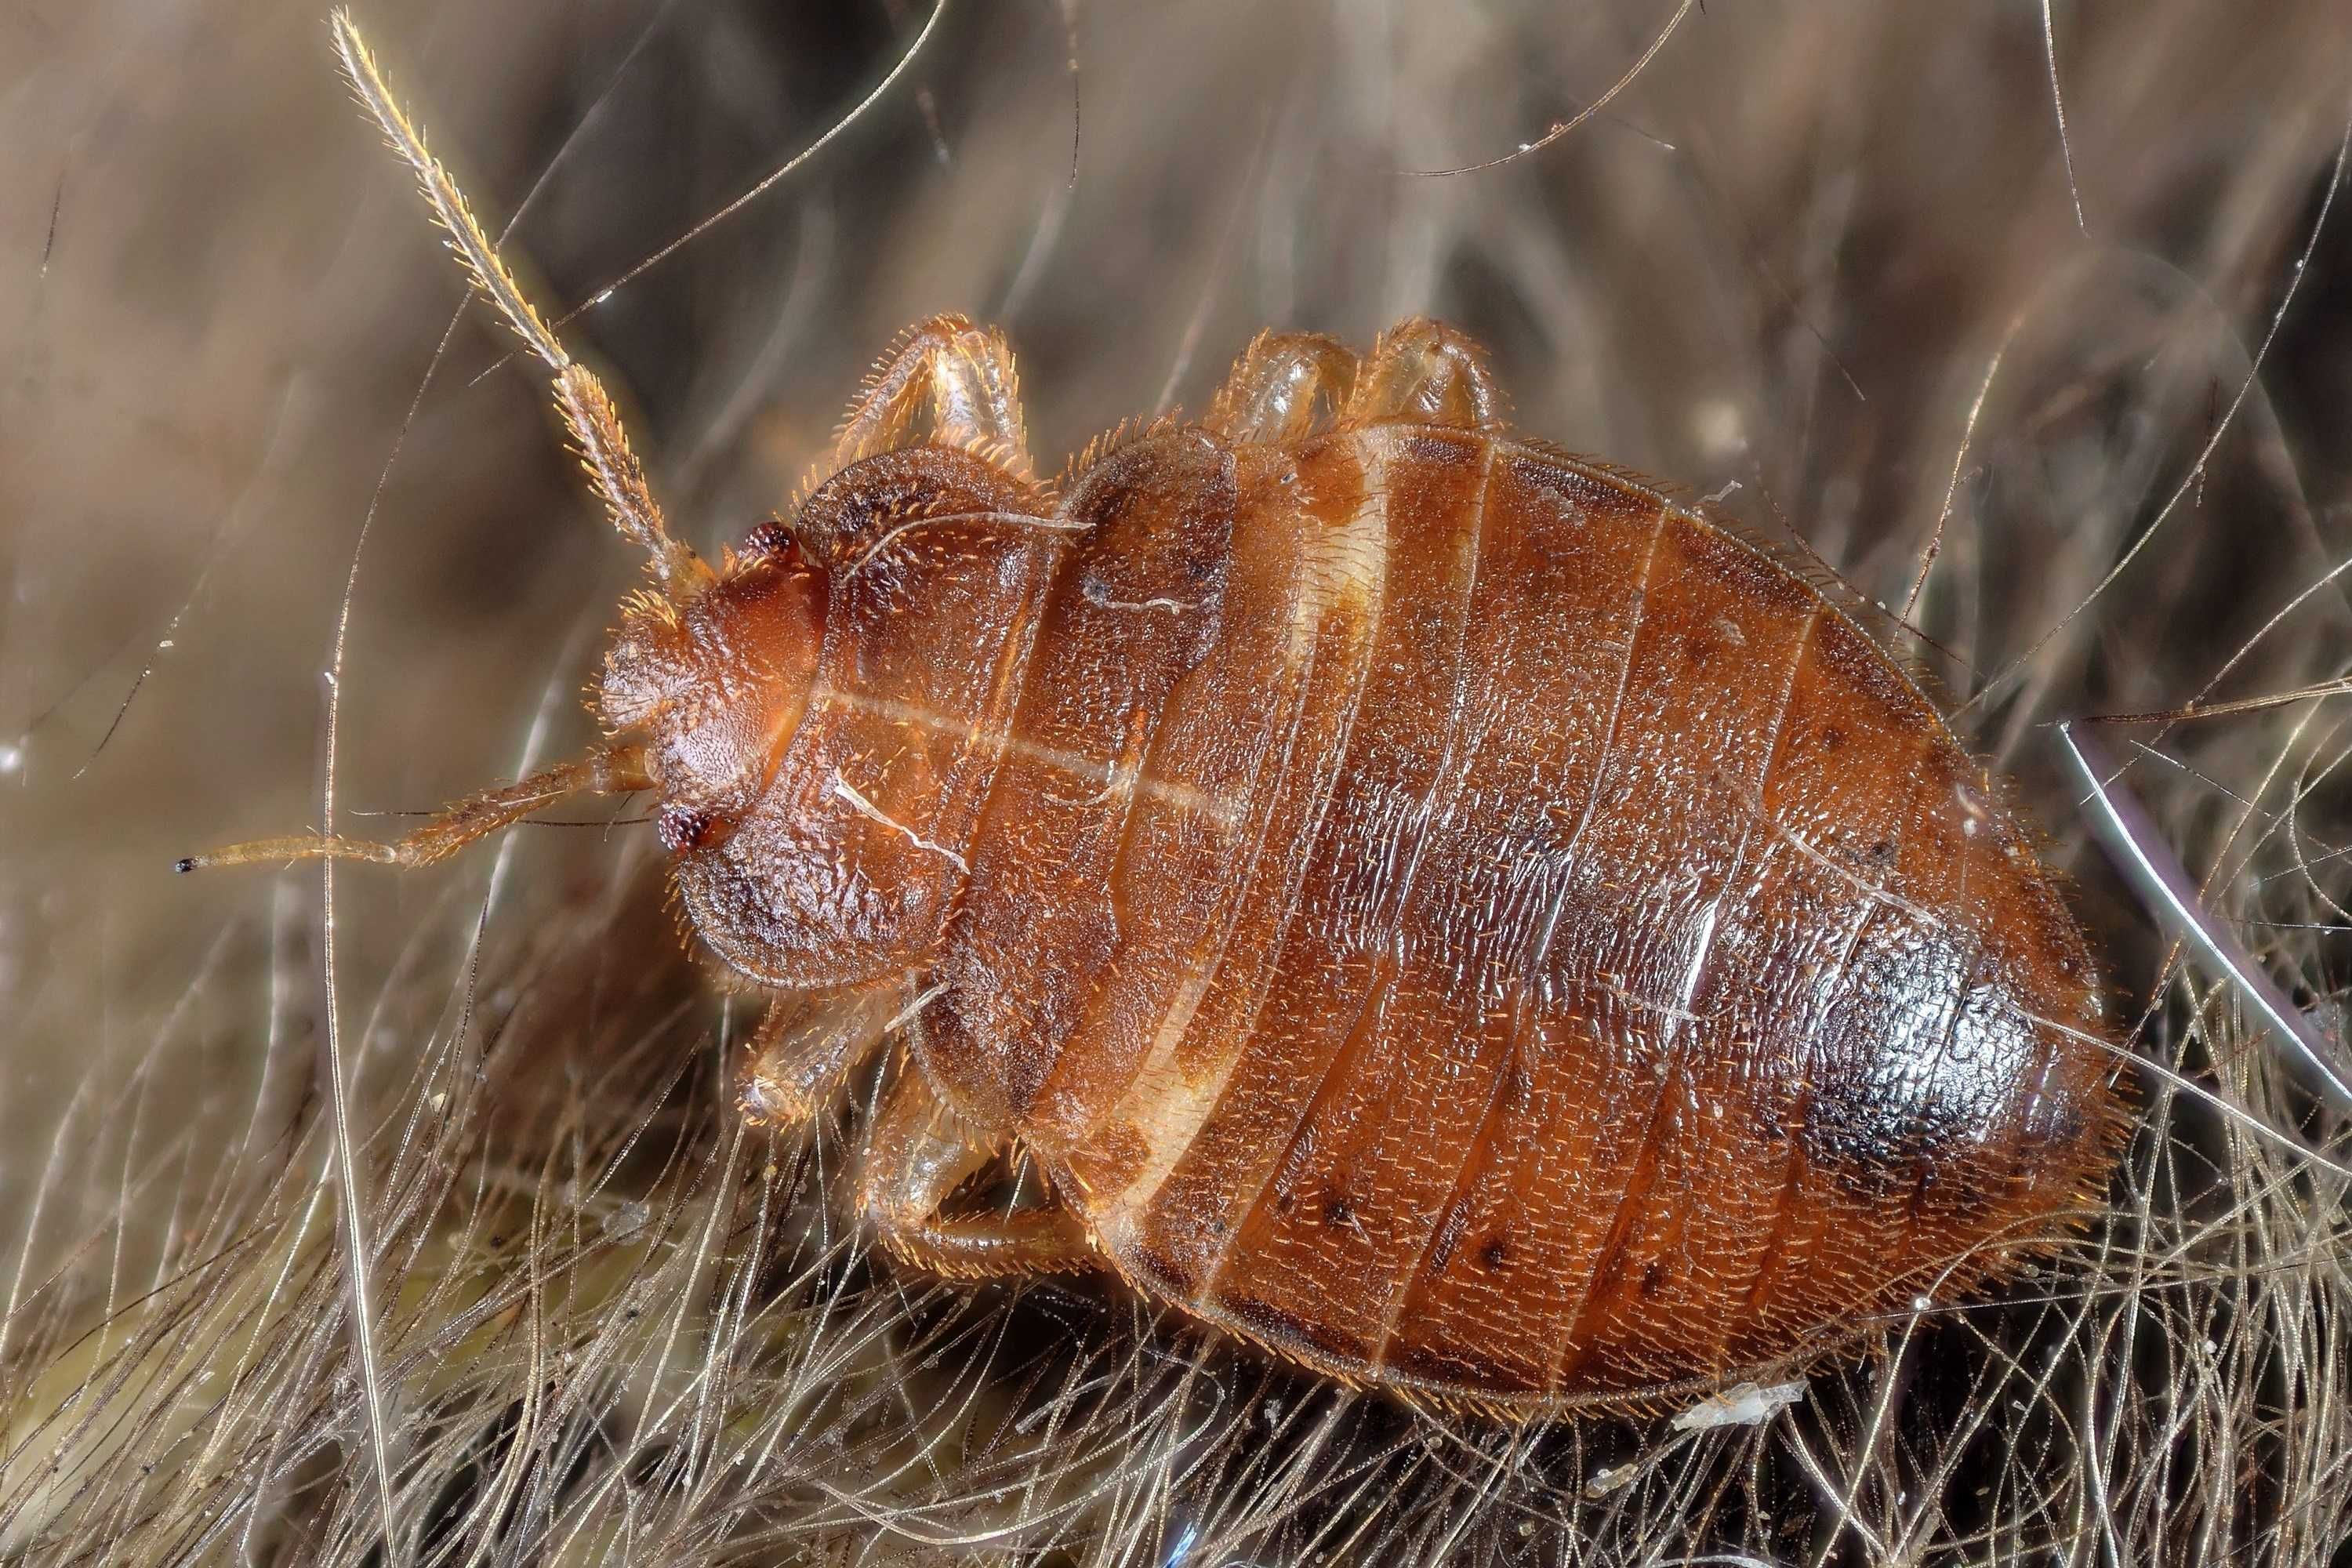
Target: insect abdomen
x,y
1541,948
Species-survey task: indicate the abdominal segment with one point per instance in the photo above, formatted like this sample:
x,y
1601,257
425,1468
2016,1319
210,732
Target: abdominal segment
x,y
1557,954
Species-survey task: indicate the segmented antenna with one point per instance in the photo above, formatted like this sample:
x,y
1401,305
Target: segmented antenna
x,y
595,425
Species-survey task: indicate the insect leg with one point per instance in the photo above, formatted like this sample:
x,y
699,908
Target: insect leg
x,y
1425,371
586,407
608,770
1271,391
917,1154
962,374
808,1043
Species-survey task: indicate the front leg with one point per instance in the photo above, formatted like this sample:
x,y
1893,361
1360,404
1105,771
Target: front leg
x,y
808,1045
962,376
917,1154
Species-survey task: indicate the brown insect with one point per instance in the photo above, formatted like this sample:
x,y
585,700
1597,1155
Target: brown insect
x,y
1431,904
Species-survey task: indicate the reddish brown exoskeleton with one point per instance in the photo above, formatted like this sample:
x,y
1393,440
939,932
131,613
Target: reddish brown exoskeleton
x,y
1430,904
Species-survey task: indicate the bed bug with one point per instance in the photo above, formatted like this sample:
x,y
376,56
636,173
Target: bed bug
x,y
1430,905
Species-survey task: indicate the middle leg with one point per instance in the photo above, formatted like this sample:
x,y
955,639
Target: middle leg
x,y
1271,391
917,1154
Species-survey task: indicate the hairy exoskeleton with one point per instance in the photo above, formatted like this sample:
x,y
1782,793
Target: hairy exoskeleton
x,y
1427,903
816,826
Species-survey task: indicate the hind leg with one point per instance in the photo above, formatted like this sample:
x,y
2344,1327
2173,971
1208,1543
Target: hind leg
x,y
1427,372
917,1154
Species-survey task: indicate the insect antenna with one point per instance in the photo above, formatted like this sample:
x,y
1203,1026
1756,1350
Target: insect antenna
x,y
587,408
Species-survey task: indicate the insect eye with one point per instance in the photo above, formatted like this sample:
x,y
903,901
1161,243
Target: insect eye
x,y
772,541
681,827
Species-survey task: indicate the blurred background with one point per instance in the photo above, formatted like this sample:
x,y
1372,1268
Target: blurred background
x,y
2033,322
